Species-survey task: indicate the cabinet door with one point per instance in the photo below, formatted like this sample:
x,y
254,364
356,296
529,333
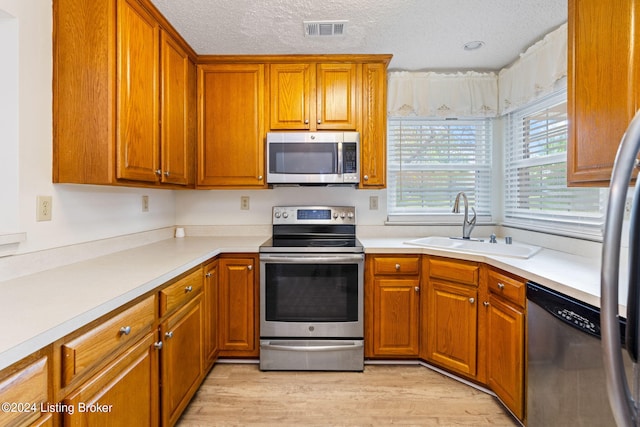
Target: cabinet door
x,y
452,326
175,141
238,318
26,385
290,93
126,391
211,313
373,134
182,359
603,85
231,125
505,353
138,112
336,96
395,316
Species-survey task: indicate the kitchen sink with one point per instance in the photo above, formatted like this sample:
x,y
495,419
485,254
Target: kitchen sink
x,y
514,250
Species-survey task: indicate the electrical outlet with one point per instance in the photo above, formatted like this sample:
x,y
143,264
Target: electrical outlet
x,y
244,203
43,208
145,203
373,203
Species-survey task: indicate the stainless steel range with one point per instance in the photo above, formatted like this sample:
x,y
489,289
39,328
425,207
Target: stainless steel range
x,y
311,291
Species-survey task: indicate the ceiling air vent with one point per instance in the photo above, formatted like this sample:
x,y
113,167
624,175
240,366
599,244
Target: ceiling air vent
x,y
324,28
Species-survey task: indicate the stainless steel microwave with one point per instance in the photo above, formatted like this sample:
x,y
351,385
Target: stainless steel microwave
x,y
313,157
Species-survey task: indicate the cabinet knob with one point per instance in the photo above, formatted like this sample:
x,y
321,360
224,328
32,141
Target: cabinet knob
x,y
472,300
319,121
249,267
260,178
366,177
306,122
125,330
166,173
501,286
188,288
158,345
207,275
158,172
417,288
169,334
397,267
486,303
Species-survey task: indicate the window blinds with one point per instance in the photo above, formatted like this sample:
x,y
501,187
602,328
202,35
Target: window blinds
x,y
535,189
430,161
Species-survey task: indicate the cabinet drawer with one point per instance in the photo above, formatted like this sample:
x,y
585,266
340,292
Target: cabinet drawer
x,y
507,287
27,386
177,294
454,271
87,350
396,265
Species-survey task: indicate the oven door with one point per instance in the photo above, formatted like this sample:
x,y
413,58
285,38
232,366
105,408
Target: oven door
x,y
311,295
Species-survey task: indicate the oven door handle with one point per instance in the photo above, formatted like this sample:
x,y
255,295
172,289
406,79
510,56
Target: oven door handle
x,y
339,347
302,259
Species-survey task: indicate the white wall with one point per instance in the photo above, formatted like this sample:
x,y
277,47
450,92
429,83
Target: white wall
x,y
80,213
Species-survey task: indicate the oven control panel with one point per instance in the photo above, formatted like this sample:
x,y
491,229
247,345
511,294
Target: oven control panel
x,y
314,215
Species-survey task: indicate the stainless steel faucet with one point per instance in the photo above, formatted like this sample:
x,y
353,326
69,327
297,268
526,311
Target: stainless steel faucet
x,y
467,225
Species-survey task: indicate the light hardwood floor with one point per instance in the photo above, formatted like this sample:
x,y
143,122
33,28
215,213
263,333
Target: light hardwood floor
x,y
382,395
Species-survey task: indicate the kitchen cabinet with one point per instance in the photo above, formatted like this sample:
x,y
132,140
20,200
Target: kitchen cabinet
x,y
27,383
124,393
505,338
181,330
182,361
314,96
603,85
373,129
123,93
452,314
238,305
231,125
392,306
210,304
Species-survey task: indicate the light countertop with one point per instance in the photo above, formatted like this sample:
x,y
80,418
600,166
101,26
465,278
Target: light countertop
x,y
41,308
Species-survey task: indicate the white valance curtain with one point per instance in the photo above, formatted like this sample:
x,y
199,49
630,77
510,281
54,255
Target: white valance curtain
x,y
471,94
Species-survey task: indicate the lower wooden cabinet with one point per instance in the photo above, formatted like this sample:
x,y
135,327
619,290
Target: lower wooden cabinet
x,y
210,304
25,388
182,359
238,315
392,306
123,394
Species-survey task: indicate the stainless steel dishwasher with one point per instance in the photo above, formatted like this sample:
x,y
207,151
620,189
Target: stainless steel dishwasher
x,y
566,379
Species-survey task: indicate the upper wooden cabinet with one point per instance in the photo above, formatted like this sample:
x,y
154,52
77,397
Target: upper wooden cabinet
x,y
231,128
373,126
119,71
310,96
603,85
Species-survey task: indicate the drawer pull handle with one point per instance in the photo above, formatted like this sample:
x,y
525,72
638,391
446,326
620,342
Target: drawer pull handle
x,y
125,330
501,286
397,267
188,288
169,334
472,300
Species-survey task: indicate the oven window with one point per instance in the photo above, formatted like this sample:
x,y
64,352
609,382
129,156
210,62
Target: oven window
x,y
311,292
303,158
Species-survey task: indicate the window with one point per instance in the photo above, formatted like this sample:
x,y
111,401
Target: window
x,y
430,161
536,195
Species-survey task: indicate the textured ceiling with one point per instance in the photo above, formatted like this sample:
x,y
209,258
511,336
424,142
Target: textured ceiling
x,y
421,34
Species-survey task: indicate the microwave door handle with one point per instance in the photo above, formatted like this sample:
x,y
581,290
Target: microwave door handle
x,y
339,157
